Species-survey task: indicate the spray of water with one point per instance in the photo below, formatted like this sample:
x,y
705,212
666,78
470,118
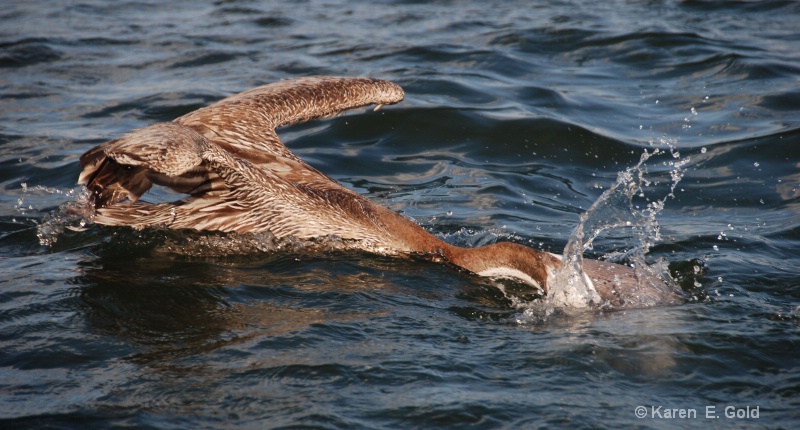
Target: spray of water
x,y
73,214
631,204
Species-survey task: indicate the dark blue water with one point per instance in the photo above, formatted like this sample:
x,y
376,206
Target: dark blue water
x,y
518,116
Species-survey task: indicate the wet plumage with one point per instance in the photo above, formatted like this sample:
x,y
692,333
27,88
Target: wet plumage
x,y
239,177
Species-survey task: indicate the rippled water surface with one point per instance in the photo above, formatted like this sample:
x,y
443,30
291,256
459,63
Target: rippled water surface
x,y
518,116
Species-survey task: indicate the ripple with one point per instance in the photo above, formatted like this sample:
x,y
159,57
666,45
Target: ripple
x,y
27,52
160,107
205,58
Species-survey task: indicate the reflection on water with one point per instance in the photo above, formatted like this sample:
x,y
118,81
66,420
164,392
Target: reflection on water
x,y
172,308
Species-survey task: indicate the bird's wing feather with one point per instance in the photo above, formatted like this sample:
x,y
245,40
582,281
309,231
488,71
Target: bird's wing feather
x,y
166,154
244,124
239,174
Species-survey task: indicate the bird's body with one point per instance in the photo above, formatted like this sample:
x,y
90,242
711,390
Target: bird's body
x,y
239,177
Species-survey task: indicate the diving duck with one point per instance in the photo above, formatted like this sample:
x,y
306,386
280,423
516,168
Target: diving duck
x,y
237,176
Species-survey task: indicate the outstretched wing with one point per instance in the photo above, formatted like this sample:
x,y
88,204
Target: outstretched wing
x,y
244,124
238,173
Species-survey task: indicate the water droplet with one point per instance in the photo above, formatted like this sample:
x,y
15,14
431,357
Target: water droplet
x,y
703,150
715,247
756,164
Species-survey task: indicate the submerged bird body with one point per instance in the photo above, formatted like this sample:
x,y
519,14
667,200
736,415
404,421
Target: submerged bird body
x,y
239,177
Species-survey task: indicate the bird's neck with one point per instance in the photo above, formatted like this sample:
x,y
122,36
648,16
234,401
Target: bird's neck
x,y
501,260
505,260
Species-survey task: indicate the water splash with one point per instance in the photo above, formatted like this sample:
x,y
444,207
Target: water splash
x,y
74,214
630,204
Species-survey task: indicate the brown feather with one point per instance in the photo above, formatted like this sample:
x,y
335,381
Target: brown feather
x,y
239,177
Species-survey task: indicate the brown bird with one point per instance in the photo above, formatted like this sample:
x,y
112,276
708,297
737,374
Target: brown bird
x,y
239,177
